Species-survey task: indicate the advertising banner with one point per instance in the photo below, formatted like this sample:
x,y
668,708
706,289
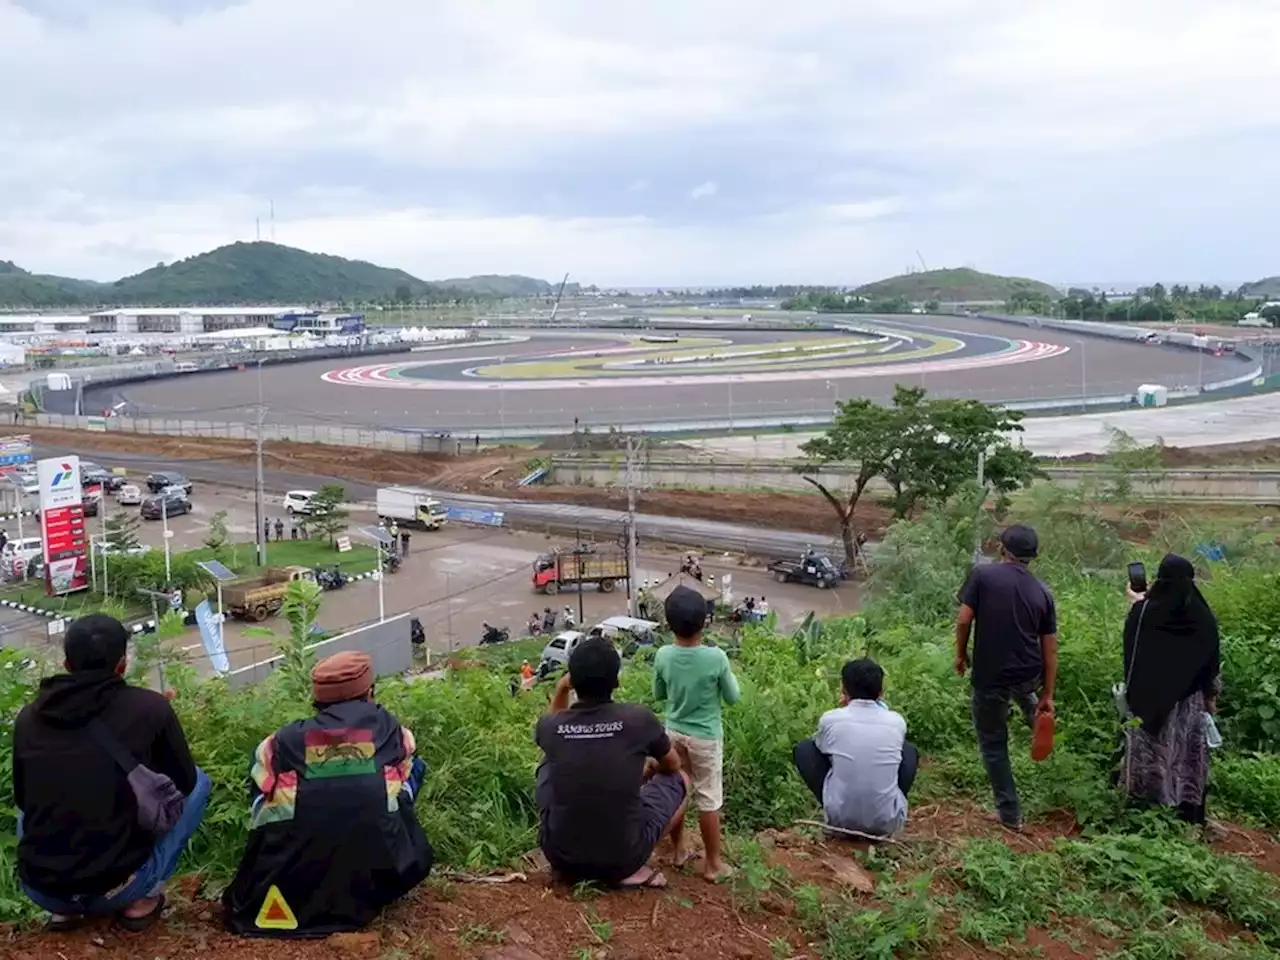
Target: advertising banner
x,y
210,624
66,542
484,518
15,451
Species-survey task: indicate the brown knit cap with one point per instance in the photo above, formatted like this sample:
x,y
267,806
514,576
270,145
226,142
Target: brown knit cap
x,y
343,676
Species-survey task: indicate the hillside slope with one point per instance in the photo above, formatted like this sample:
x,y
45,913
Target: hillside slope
x,y
960,284
257,272
1268,287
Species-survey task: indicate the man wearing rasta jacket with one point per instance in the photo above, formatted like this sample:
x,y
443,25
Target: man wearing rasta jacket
x,y
334,838
81,851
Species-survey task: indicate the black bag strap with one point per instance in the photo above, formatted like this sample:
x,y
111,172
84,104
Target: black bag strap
x,y
107,741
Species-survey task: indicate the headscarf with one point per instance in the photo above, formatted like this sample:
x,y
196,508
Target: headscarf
x,y
1170,643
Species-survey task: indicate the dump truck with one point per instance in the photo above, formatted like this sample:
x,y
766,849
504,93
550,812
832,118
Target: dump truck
x,y
256,598
569,567
411,507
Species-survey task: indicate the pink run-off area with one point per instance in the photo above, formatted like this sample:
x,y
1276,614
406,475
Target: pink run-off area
x,y
390,376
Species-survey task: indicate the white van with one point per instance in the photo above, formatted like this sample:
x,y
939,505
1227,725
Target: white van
x,y
185,366
26,549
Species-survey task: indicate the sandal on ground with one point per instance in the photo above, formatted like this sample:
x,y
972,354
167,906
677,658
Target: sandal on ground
x,y
689,857
145,922
63,923
648,877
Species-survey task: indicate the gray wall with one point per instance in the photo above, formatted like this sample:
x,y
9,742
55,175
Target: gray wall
x,y
387,642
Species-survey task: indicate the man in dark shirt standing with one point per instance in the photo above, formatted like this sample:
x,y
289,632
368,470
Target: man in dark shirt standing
x,y
81,850
610,786
1015,652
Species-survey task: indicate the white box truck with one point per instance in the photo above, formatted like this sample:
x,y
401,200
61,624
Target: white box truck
x,y
411,507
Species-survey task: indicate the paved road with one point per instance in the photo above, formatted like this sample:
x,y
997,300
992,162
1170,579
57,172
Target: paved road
x,y
1238,420
552,517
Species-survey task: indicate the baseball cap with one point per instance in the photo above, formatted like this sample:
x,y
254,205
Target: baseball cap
x,y
1020,541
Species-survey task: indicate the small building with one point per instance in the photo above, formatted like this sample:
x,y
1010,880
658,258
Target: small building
x,y
1152,395
187,320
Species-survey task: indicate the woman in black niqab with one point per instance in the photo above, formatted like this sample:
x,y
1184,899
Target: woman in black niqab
x,y
1171,656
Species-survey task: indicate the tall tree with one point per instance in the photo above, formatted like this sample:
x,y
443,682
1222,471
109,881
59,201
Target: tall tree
x,y
866,434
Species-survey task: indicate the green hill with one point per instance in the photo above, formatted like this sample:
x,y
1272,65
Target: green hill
x,y
958,285
256,272
1268,288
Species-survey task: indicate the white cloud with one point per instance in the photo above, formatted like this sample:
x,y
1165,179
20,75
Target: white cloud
x,y
1093,139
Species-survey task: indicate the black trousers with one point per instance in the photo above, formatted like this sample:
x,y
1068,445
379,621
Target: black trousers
x,y
814,765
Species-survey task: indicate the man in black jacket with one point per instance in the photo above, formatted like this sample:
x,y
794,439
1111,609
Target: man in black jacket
x,y
81,850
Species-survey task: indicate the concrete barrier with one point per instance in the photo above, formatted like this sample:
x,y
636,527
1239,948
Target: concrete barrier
x,y
1253,486
388,643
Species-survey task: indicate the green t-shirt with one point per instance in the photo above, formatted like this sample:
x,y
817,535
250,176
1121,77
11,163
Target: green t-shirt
x,y
691,682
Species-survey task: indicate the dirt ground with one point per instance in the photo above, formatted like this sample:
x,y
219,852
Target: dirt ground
x,y
493,472
1253,453
523,916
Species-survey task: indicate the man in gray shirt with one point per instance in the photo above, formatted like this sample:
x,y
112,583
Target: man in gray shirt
x,y
859,764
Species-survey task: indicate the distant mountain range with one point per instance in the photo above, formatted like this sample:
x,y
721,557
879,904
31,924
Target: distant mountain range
x,y
956,285
258,273
1268,287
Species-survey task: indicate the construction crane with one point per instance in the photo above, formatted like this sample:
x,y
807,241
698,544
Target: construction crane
x,y
555,308
924,266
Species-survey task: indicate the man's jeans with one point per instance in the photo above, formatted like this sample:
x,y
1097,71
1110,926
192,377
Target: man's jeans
x,y
150,878
991,721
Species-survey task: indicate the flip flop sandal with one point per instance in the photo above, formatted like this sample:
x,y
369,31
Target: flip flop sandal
x,y
63,923
145,922
653,880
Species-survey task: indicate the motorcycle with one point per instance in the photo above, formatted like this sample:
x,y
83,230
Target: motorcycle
x,y
493,635
333,579
417,636
391,563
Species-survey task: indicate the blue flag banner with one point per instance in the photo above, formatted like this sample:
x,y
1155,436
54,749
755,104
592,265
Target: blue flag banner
x,y
211,635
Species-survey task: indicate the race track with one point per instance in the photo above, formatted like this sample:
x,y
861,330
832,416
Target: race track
x,y
548,378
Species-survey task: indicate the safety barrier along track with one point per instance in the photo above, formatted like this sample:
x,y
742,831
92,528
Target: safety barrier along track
x,y
392,375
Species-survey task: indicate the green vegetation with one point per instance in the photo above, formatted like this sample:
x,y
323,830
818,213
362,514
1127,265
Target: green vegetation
x,y
926,449
1130,885
257,272
1154,304
960,285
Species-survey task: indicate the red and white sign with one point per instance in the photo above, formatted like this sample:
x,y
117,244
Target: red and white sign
x,y
66,542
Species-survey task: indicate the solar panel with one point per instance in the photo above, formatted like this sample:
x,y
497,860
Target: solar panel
x,y
216,570
379,534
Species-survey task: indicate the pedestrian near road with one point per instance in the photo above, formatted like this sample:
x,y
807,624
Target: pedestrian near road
x,y
1015,652
266,529
279,529
404,542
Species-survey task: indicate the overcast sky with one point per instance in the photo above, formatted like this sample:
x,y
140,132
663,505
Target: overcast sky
x,y
664,142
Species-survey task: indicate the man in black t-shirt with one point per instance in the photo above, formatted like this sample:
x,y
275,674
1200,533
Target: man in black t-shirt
x,y
610,786
1015,652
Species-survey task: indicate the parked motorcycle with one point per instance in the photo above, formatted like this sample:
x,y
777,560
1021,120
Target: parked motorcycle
x,y
493,634
331,579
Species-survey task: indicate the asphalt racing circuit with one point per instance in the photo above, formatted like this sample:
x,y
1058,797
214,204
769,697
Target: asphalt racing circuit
x,y
552,378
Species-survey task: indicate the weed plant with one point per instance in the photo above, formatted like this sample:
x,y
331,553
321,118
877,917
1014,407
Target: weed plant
x,y
1141,881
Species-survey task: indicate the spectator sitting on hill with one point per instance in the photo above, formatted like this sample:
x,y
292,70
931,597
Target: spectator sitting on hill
x,y
610,785
82,850
333,835
859,764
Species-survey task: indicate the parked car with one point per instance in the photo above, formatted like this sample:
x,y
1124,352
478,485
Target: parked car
x,y
165,505
91,505
129,495
25,549
162,480
557,651
93,475
104,549
298,501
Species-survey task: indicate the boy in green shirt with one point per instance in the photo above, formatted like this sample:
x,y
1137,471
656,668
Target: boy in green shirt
x,y
692,680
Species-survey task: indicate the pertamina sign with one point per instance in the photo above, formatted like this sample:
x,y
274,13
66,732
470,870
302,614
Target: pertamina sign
x,y
66,542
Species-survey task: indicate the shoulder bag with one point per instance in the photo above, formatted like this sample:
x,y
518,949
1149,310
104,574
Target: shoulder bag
x,y
160,802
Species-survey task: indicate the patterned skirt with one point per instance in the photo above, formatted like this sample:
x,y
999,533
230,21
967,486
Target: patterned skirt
x,y
1171,767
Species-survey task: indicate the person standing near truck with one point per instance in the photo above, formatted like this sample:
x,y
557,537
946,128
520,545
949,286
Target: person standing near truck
x,y
404,542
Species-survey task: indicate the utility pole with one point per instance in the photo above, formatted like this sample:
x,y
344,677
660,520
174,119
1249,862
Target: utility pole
x,y
633,451
259,501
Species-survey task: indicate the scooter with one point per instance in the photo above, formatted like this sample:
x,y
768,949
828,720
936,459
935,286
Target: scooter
x,y
333,579
495,635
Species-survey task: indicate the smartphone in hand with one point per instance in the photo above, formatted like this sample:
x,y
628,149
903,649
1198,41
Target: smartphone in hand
x,y
1138,577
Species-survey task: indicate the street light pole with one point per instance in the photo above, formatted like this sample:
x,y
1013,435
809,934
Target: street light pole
x,y
164,519
259,500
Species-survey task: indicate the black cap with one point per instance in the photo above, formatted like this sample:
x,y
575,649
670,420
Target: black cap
x,y
1020,542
